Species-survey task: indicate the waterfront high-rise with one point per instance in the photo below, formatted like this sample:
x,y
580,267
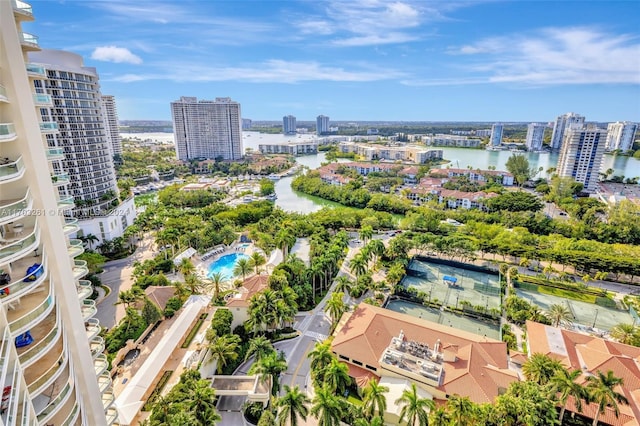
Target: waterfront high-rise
x,y
581,155
207,129
289,124
496,134
563,123
110,118
535,136
322,125
51,360
620,135
87,173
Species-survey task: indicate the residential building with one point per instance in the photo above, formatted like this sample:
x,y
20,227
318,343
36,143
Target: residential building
x,y
289,125
563,123
452,198
291,148
397,349
238,303
590,354
87,173
581,156
322,125
408,153
479,176
620,136
51,361
207,129
483,133
496,134
246,124
110,117
452,140
535,136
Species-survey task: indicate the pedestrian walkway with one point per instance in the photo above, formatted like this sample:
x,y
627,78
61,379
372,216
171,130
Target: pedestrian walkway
x,y
318,336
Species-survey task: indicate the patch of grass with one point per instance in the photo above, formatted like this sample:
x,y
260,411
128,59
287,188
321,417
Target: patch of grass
x,y
355,401
567,294
194,331
148,406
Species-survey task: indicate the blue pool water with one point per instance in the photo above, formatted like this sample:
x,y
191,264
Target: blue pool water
x,y
225,265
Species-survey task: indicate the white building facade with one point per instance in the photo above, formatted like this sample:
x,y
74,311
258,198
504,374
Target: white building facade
x,y
289,125
52,367
535,136
110,116
496,134
620,135
322,124
563,123
207,129
581,156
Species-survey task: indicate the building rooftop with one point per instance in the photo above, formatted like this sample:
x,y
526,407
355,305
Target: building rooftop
x,y
250,286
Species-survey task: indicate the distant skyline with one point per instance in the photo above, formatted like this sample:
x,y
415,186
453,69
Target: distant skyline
x,y
374,60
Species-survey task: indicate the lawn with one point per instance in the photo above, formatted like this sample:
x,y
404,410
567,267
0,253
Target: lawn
x,y
567,294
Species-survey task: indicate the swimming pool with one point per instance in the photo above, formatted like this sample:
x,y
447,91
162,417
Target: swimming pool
x,y
225,265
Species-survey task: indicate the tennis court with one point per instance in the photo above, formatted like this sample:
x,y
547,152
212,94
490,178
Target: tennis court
x,y
453,286
460,322
586,314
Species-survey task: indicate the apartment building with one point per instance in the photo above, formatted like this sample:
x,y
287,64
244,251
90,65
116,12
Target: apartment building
x,y
620,135
207,129
292,148
535,136
581,156
52,368
289,125
479,176
110,117
453,140
322,124
496,134
562,124
409,153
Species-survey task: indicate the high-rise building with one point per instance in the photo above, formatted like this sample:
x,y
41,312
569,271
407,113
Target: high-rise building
x,y
246,124
289,124
110,118
207,129
51,363
563,123
535,136
496,134
620,135
87,173
322,124
581,156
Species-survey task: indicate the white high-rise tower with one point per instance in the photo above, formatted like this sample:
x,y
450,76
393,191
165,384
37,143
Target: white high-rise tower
x,y
620,135
563,123
581,156
51,363
535,136
322,124
110,118
289,125
496,134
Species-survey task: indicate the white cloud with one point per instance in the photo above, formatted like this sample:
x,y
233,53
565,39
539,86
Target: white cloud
x,y
115,54
375,39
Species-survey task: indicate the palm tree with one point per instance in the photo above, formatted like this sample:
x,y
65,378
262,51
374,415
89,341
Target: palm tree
x,y
343,284
414,408
291,406
284,240
242,267
564,385
374,399
335,308
201,403
260,347
269,368
216,279
327,407
224,349
539,368
194,284
366,233
439,417
90,239
186,267
625,333
601,391
358,265
336,376
321,356
128,297
375,421
377,248
461,410
256,261
559,314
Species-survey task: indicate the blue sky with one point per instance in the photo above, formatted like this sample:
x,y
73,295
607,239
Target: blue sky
x,y
361,59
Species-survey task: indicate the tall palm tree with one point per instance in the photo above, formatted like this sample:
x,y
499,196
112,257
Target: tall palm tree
x,y
90,239
284,239
461,410
291,406
414,408
366,233
375,421
194,284
216,279
321,356
256,261
343,284
559,314
336,376
242,267
186,267
602,391
269,368
201,403
439,417
539,368
260,347
377,248
335,308
374,401
224,349
564,385
327,407
358,265
626,333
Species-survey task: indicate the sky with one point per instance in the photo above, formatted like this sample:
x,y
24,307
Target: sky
x,y
445,60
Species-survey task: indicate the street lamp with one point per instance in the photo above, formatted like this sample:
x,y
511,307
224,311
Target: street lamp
x,y
457,297
594,319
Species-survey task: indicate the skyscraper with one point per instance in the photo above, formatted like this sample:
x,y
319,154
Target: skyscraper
x,y
496,134
289,124
51,360
563,123
207,129
110,118
322,125
581,156
620,135
535,136
87,173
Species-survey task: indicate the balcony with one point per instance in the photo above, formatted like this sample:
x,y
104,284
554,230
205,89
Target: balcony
x,y
70,226
49,127
92,326
17,246
3,94
11,170
37,71
80,269
60,179
97,346
73,408
108,399
57,403
24,282
31,308
88,309
42,100
12,209
75,248
7,132
66,203
112,416
47,369
55,154
85,289
29,42
100,364
22,10
42,344
104,382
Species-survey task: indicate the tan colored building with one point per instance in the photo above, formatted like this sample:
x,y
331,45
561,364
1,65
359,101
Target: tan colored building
x,y
238,303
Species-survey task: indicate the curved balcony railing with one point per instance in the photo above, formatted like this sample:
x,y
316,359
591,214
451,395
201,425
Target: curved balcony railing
x,y
35,70
73,416
16,248
92,327
15,209
66,203
80,269
108,399
85,289
12,170
50,375
22,285
100,364
29,41
41,347
97,346
55,154
112,416
7,132
36,314
42,100
22,8
49,127
76,248
88,309
3,94
61,179
104,382
70,226
57,403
